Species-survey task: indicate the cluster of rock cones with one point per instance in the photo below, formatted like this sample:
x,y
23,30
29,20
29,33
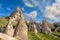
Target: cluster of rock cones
x,y
21,30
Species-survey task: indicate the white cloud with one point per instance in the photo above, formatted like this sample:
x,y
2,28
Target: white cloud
x,y
8,8
27,3
58,1
32,14
35,2
23,9
53,12
39,4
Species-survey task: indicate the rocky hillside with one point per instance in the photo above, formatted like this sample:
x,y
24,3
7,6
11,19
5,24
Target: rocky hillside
x,y
15,27
31,35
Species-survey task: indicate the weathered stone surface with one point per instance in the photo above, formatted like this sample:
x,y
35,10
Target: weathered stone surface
x,y
32,26
9,28
51,25
21,30
45,27
6,37
2,29
57,29
14,17
39,27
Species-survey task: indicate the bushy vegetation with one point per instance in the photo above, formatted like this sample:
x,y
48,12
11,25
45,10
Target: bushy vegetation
x,y
55,25
3,22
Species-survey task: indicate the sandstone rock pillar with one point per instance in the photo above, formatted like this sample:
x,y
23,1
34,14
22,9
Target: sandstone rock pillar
x,y
21,30
45,27
9,28
33,26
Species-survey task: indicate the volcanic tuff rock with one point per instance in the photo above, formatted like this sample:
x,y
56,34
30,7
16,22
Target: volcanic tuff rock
x,y
21,30
9,28
32,26
45,27
6,37
14,17
57,29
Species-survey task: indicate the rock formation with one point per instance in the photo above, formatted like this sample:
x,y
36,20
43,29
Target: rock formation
x,y
51,26
57,29
14,17
6,37
21,30
45,27
2,29
32,26
9,28
39,27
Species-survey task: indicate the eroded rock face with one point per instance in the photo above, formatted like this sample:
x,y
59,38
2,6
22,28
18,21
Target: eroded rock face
x,y
21,30
2,29
9,28
45,27
14,17
57,29
32,26
6,37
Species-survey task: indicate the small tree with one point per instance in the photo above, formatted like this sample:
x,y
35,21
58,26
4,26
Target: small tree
x,y
55,25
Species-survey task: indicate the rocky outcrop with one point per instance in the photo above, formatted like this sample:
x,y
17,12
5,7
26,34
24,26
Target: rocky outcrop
x,y
39,27
6,37
21,30
32,26
51,26
9,28
14,17
45,27
57,29
2,29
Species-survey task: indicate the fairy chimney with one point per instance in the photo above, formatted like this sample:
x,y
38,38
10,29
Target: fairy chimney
x,y
14,17
9,28
21,30
45,27
32,26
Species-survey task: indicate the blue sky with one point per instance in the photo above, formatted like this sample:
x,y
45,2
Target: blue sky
x,y
34,8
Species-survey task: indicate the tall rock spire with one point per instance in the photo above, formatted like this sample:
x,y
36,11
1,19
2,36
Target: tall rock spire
x,y
45,27
21,30
32,26
14,17
17,9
